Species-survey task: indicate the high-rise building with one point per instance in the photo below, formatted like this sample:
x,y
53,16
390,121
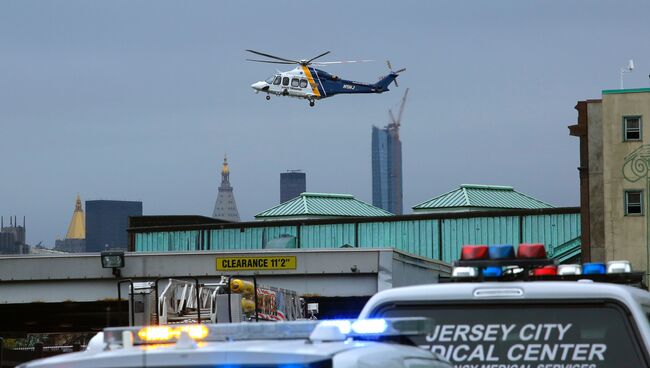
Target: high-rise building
x,y
387,163
387,169
225,207
75,238
292,184
106,223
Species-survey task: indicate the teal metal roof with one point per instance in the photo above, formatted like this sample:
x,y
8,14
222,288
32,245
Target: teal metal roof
x,y
617,91
323,204
482,196
437,236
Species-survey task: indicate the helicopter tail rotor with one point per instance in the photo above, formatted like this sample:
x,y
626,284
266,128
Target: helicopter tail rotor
x,y
390,67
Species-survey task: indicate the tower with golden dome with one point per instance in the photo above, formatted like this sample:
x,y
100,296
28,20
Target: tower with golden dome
x,y
225,208
75,238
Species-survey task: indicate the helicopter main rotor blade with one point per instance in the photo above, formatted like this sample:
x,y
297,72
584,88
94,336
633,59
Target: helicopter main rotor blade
x,y
270,61
314,58
273,57
341,62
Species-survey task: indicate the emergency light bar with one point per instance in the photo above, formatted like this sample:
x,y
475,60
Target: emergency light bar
x,y
500,263
498,255
404,326
168,334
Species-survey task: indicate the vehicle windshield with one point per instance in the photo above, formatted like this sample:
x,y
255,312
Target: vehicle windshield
x,y
547,336
270,79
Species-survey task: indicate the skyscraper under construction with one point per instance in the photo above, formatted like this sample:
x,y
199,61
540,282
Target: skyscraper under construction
x,y
387,169
387,164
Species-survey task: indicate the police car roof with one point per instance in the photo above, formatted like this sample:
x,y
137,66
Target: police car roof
x,y
508,291
247,352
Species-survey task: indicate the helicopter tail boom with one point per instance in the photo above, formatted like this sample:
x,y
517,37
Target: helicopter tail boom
x,y
384,82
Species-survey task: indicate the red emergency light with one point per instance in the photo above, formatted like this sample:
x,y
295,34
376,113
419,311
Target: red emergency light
x,y
550,270
531,251
470,252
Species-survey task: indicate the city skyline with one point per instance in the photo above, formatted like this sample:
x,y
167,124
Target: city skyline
x,y
139,104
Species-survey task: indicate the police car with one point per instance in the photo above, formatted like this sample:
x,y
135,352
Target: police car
x,y
502,311
296,344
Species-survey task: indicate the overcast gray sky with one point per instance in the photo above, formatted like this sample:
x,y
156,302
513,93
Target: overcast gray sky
x,y
139,100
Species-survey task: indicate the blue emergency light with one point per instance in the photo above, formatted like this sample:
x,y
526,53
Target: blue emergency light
x,y
492,271
502,251
360,326
594,269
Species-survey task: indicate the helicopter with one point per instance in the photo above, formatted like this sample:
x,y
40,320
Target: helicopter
x,y
312,84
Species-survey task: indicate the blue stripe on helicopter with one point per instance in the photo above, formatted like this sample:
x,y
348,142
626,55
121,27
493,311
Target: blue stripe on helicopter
x,y
319,83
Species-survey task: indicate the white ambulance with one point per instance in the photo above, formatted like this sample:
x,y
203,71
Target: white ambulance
x,y
502,311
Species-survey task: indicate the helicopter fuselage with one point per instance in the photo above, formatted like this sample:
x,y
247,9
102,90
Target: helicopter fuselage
x,y
315,84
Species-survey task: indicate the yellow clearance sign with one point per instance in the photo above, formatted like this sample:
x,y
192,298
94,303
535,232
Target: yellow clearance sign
x,y
256,263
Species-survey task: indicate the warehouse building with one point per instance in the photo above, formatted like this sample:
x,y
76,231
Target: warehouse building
x,y
333,221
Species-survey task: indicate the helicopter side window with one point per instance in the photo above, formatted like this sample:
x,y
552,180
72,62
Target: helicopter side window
x,y
303,83
277,80
295,82
285,81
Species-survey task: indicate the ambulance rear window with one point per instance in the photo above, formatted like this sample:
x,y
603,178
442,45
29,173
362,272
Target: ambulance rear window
x,y
528,335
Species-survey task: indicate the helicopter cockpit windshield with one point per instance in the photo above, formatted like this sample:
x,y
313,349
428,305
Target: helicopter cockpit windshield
x,y
275,79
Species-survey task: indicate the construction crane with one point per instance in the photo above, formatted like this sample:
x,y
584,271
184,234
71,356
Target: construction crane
x,y
395,123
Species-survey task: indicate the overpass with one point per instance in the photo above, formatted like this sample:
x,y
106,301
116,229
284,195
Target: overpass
x,y
74,293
